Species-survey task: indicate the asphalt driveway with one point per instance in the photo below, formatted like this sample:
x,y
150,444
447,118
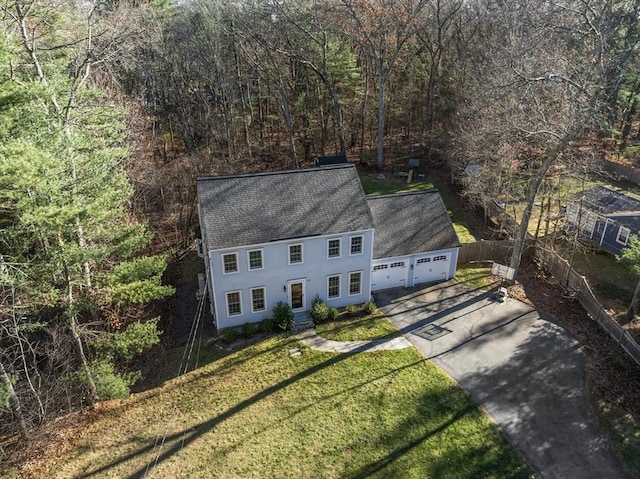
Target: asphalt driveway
x,y
527,372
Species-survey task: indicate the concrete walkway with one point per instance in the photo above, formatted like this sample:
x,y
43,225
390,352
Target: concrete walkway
x,y
315,341
527,372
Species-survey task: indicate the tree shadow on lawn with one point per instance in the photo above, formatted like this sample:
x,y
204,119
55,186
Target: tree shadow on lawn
x,y
188,436
366,324
449,455
165,383
328,397
431,418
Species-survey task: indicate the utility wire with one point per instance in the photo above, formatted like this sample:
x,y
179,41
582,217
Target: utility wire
x,y
184,366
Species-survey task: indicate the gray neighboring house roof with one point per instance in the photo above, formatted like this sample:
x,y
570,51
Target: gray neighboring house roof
x,y
243,210
606,201
612,204
410,223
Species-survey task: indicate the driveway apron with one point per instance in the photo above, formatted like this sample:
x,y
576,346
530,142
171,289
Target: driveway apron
x,y
528,373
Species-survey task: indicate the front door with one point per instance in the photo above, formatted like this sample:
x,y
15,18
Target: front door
x,y
296,295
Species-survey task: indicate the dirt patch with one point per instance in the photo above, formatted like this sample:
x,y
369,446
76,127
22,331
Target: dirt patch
x,y
615,376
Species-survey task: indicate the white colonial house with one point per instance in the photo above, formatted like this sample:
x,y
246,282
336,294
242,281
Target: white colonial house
x,y
293,235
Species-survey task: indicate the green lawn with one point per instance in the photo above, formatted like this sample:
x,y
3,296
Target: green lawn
x,y
259,413
475,275
390,184
598,266
372,326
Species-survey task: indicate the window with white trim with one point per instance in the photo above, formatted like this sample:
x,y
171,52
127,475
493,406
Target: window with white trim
x,y
333,248
379,267
356,245
355,282
258,301
440,258
623,235
423,260
398,264
230,263
234,303
295,253
333,286
255,259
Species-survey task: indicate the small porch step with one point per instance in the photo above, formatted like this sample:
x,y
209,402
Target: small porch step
x,y
302,321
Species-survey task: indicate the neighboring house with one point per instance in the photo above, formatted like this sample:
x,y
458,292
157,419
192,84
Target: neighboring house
x,y
604,216
293,235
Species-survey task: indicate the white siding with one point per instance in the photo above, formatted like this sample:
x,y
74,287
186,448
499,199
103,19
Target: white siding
x,y
277,273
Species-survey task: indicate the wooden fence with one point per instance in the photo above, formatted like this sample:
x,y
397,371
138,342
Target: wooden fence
x,y
485,250
567,277
577,284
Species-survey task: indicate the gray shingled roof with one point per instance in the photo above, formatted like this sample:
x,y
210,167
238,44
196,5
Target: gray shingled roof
x,y
606,201
410,223
612,204
252,209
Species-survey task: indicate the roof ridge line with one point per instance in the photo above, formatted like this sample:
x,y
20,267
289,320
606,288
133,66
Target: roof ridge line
x,y
277,172
403,193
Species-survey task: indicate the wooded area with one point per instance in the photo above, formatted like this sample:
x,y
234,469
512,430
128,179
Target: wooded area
x,y
110,110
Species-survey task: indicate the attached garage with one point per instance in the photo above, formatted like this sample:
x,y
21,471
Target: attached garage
x,y
389,275
414,240
432,268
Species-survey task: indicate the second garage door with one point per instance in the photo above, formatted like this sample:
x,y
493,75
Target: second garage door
x,y
432,268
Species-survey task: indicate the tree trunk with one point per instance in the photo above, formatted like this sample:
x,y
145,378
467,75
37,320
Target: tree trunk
x,y
363,129
14,402
431,93
627,123
73,325
337,111
635,302
289,122
540,218
337,107
381,117
534,186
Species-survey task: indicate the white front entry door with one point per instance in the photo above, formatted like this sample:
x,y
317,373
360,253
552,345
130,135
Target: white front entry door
x,y
296,295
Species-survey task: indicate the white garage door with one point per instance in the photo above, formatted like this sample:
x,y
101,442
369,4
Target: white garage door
x,y
389,275
432,268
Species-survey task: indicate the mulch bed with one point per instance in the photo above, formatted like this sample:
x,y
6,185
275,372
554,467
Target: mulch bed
x,y
611,371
